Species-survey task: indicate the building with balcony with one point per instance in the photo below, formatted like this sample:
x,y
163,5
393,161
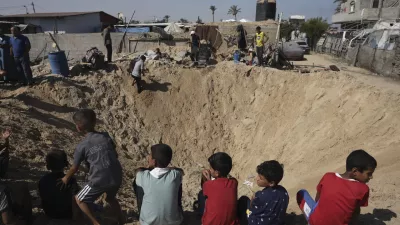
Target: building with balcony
x,y
361,14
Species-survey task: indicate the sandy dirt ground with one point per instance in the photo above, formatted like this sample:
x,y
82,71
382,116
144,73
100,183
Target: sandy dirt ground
x,y
308,122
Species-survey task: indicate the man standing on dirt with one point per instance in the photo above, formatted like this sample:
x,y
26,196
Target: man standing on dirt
x,y
137,72
260,40
20,47
195,46
107,42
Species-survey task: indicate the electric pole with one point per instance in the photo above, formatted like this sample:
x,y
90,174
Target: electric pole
x,y
33,6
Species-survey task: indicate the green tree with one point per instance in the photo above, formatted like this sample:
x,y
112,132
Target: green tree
x,y
286,30
234,10
213,9
166,18
183,20
314,28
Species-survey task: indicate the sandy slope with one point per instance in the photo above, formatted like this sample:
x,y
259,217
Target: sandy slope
x,y
309,123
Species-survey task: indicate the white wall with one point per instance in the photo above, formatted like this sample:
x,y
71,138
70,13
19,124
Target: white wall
x,y
87,23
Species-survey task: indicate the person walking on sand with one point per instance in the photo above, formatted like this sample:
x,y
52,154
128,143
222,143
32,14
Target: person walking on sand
x,y
107,42
20,47
137,73
194,55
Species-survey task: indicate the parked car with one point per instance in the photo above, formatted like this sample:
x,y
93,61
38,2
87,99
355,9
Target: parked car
x,y
305,46
291,50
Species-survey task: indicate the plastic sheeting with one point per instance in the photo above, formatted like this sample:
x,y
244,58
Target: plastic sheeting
x,y
132,29
173,28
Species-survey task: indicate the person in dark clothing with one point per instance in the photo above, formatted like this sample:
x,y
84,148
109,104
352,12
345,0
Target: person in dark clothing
x,y
20,47
4,153
268,206
241,37
107,42
194,55
7,66
58,204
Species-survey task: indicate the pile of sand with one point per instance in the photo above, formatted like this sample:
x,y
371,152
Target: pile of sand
x,y
309,123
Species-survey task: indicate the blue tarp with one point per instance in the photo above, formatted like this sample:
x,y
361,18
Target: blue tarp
x,y
132,29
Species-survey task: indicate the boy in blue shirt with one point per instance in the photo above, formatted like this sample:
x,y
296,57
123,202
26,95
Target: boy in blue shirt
x,y
20,47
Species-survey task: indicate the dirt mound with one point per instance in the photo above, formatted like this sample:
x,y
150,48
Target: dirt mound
x,y
309,123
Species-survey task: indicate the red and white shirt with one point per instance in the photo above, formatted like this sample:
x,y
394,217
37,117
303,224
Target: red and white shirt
x,y
339,198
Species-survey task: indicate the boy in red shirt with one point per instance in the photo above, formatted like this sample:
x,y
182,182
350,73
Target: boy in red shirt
x,y
220,192
340,196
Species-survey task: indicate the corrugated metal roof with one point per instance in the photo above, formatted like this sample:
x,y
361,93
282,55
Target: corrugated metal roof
x,y
55,14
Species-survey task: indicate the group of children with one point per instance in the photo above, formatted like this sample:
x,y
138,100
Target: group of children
x,y
158,187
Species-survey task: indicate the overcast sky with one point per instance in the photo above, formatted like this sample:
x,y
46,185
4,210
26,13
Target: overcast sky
x,y
188,9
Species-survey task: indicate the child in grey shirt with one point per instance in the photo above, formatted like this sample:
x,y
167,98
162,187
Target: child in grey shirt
x,y
105,173
159,189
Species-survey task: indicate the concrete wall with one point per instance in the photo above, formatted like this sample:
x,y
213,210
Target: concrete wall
x,y
376,60
76,45
364,11
87,23
381,61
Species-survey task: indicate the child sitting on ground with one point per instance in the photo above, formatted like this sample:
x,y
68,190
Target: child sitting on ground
x,y
56,203
340,196
269,205
158,189
105,173
219,191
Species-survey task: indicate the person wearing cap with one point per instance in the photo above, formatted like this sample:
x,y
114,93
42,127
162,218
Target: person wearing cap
x,y
195,46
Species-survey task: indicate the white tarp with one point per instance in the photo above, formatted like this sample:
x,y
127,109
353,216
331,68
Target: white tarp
x,y
173,28
245,21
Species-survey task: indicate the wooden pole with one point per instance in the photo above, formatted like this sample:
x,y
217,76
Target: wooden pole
x,y
123,37
55,42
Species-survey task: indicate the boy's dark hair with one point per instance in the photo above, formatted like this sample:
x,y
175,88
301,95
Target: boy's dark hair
x,y
258,28
17,28
221,162
162,154
56,160
142,57
271,170
361,160
85,119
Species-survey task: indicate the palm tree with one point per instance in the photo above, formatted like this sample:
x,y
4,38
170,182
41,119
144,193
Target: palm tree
x,y
234,10
166,18
183,20
213,9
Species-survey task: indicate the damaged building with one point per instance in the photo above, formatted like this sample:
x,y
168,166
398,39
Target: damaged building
x,y
266,10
